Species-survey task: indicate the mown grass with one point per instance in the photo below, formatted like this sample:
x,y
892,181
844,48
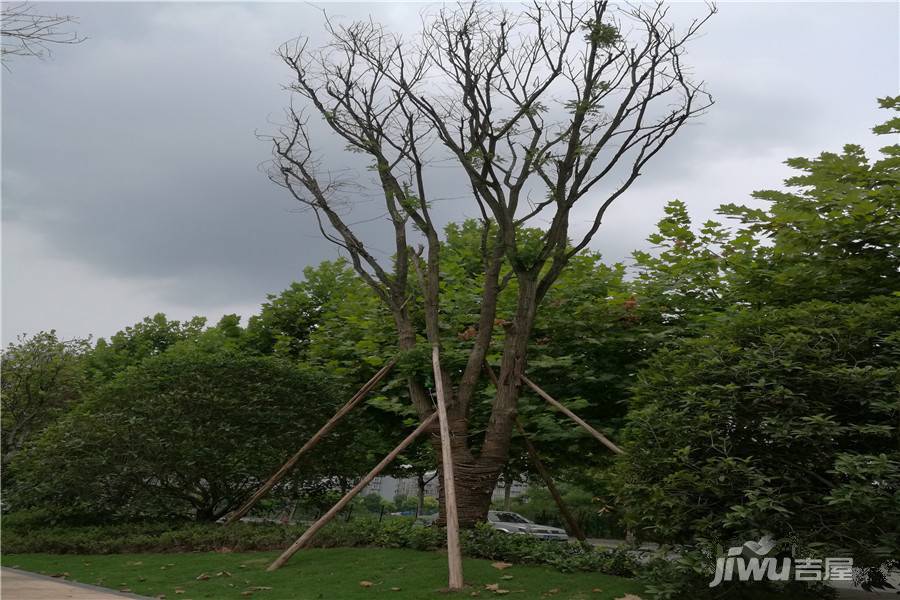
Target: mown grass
x,y
328,574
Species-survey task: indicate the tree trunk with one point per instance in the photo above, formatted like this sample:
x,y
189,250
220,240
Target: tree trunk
x,y
494,455
475,478
420,503
474,487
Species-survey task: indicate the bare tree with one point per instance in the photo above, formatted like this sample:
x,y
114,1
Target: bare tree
x,y
542,109
25,32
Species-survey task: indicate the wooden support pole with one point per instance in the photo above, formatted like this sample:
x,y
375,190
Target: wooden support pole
x,y
600,437
574,527
324,519
315,439
454,555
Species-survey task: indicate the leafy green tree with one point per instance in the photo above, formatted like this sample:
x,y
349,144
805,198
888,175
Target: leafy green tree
x,y
42,377
374,503
779,421
406,504
686,277
837,237
288,320
183,434
585,348
150,337
776,410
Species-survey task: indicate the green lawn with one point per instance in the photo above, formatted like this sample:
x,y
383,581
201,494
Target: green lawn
x,y
330,574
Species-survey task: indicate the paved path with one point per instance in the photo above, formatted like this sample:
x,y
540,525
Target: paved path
x,y
20,585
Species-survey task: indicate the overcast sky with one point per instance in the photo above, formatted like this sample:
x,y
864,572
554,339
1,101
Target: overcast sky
x,y
130,180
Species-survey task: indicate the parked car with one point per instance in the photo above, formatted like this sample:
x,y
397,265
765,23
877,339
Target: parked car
x,y
510,522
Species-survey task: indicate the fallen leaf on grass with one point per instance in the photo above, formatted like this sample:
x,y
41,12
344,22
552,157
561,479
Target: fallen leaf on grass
x,y
629,597
223,574
501,565
395,589
596,590
506,577
202,577
492,586
366,584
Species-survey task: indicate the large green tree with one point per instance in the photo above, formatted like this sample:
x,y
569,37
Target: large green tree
x,y
43,376
187,433
776,420
776,410
833,235
585,348
129,347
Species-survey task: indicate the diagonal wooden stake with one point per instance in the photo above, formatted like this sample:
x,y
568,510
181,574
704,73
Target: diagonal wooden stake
x,y
304,539
600,437
315,439
553,402
454,556
574,527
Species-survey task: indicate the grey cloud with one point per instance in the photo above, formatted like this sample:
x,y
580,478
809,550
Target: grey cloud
x,y
135,156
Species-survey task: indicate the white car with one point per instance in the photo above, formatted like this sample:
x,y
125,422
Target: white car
x,y
510,522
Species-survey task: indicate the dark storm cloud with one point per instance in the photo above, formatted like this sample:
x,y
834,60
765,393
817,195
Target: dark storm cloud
x,y
132,159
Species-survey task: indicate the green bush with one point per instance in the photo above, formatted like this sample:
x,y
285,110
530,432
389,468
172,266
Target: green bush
x,y
21,536
778,422
185,434
688,576
486,542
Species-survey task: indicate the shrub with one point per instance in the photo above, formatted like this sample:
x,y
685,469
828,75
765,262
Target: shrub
x,y
775,421
20,536
185,434
688,576
486,542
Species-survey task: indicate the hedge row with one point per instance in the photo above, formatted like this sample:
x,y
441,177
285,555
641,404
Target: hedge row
x,y
482,542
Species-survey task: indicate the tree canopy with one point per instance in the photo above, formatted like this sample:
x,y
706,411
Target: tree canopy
x,y
774,410
185,433
42,377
